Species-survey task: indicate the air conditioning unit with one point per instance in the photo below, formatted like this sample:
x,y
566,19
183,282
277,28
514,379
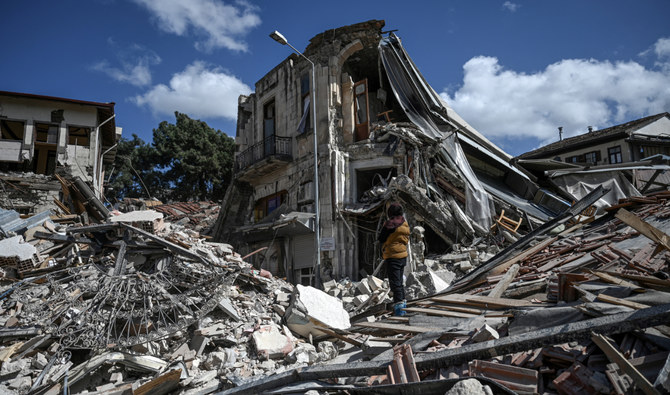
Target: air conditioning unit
x,y
306,192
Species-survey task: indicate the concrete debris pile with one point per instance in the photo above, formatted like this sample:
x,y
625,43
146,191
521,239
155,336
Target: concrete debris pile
x,y
357,295
574,307
143,305
197,216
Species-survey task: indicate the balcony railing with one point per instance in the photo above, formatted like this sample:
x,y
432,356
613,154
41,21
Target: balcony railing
x,y
273,146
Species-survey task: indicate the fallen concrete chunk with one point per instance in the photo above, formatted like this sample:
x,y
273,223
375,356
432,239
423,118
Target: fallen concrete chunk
x,y
20,384
469,387
198,344
304,353
227,307
271,343
485,333
313,304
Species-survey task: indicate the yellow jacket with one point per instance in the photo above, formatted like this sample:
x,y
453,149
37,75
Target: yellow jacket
x,y
395,245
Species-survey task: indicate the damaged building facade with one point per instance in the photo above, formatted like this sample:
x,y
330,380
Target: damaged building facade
x,y
383,134
43,136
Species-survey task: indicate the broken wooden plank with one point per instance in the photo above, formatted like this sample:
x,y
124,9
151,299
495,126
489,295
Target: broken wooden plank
x,y
484,301
507,279
439,313
617,281
621,302
615,356
396,327
161,385
654,234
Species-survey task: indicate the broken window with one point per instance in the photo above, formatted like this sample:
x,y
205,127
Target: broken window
x,y
614,154
46,140
268,204
305,122
269,127
11,130
77,135
361,112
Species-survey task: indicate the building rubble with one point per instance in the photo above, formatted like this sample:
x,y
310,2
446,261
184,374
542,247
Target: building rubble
x,y
141,305
578,306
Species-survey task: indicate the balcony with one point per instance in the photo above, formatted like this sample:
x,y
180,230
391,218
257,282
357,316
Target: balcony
x,y
264,156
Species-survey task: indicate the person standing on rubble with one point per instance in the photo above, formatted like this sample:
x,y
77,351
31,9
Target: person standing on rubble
x,y
394,237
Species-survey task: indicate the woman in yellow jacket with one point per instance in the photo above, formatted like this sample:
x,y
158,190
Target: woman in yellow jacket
x,y
394,237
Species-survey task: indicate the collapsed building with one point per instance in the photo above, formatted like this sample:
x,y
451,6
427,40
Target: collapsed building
x,y
43,138
382,133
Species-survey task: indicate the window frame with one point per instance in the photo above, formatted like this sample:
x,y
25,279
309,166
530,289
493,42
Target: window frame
x,y
616,153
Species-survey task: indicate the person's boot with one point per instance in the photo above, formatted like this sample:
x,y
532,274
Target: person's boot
x,y
398,309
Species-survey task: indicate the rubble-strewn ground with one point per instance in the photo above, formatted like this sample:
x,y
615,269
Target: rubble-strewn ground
x,y
142,305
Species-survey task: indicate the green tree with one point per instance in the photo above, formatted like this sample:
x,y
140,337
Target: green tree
x,y
134,170
195,159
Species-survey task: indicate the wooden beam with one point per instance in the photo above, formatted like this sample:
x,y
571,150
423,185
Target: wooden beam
x,y
621,302
617,281
507,279
654,234
396,327
483,301
615,356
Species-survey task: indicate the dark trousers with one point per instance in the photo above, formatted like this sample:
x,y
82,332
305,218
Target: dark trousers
x,y
394,270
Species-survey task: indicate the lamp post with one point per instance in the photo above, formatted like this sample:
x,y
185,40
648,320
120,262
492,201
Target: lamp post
x,y
317,238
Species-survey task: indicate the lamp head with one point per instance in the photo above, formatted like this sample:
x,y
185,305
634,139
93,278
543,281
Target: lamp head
x,y
278,37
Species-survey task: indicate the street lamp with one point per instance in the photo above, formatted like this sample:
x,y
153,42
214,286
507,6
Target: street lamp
x,y
317,241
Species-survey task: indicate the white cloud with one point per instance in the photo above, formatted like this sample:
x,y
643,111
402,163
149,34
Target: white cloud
x,y
511,7
573,93
135,65
198,91
221,25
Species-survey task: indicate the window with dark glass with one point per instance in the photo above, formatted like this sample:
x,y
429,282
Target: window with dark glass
x,y
614,154
268,204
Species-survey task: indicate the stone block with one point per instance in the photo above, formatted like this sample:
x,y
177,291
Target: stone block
x,y
227,307
464,266
363,288
328,285
485,333
313,304
360,299
271,343
375,283
198,344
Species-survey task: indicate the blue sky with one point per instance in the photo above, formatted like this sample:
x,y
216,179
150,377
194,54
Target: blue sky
x,y
515,70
